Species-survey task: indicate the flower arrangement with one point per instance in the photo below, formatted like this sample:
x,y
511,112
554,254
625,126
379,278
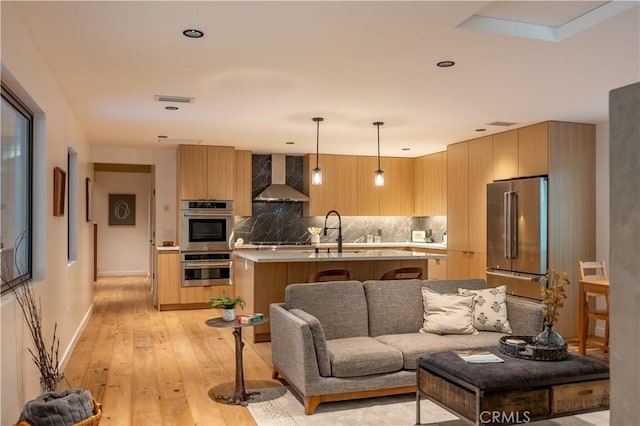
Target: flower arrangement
x,y
553,295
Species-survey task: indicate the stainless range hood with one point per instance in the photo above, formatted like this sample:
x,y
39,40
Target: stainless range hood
x,y
279,190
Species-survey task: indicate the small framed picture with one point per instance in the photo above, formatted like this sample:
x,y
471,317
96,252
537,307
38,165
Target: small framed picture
x,y
59,191
418,236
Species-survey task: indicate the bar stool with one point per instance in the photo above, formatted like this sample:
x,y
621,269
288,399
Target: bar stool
x,y
403,273
595,270
330,275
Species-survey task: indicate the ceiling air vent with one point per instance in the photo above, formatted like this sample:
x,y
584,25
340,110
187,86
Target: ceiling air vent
x,y
501,123
174,99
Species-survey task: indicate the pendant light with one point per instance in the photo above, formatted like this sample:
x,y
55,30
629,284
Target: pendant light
x,y
378,177
316,177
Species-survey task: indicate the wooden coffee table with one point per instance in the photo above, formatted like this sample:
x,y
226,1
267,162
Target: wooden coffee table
x,y
515,391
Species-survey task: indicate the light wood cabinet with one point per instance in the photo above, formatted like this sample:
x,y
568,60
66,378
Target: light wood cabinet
x,y
505,155
368,193
205,172
469,169
321,197
242,184
533,150
168,277
431,185
346,176
396,196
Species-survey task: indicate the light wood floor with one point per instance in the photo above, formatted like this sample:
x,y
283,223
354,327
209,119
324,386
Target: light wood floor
x,y
159,368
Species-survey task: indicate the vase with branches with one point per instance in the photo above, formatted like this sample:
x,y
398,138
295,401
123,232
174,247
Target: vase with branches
x,y
553,294
44,356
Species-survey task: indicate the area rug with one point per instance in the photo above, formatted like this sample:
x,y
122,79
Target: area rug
x,y
279,406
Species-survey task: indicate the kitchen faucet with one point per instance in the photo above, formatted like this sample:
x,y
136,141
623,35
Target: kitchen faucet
x,y
339,228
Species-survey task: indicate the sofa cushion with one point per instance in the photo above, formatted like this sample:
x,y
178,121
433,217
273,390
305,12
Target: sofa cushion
x,y
452,286
340,306
489,308
362,356
447,313
319,342
395,306
415,345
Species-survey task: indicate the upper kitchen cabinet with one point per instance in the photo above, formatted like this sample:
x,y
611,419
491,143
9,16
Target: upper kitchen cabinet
x,y
321,197
431,185
368,193
205,172
346,176
242,184
396,196
521,153
469,169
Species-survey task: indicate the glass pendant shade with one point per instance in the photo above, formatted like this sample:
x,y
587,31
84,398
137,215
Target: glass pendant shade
x,y
316,177
378,178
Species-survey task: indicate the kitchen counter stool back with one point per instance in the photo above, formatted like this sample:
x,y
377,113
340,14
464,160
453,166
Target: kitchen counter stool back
x,y
330,275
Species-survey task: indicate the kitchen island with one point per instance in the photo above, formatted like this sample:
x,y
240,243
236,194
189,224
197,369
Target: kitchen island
x,y
260,277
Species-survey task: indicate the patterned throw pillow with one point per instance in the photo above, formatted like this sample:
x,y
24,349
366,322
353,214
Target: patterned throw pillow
x,y
489,309
447,313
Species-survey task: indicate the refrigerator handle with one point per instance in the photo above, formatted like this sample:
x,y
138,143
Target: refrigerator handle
x,y
506,222
513,207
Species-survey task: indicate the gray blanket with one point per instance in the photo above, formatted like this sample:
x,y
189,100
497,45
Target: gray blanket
x,y
62,408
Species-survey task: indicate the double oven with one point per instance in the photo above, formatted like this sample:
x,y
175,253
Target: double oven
x,y
206,242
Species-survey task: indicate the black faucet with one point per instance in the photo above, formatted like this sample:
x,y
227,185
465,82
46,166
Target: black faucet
x,y
339,228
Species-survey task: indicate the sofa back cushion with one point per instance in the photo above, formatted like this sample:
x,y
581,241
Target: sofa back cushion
x,y
340,306
395,306
452,286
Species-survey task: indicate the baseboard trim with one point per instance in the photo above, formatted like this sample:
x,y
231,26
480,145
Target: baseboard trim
x,y
74,339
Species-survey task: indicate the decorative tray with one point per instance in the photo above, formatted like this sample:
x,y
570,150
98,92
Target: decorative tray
x,y
525,348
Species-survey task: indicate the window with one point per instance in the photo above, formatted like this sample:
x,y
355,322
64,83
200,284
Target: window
x,y
16,147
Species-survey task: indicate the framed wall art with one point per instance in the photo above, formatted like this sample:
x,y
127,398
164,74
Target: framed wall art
x,y
59,191
122,209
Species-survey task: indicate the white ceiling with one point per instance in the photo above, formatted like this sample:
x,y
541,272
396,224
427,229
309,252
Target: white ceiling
x,y
264,69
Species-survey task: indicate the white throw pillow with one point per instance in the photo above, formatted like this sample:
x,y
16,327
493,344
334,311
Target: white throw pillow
x,y
489,309
447,313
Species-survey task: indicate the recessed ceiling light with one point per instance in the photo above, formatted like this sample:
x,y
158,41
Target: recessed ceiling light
x,y
171,108
445,64
290,143
481,130
192,33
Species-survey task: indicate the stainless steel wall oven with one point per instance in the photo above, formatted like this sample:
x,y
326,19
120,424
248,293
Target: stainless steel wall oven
x,y
206,225
206,269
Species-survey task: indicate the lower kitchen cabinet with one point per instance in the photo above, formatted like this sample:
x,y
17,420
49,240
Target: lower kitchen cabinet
x,y
167,278
438,267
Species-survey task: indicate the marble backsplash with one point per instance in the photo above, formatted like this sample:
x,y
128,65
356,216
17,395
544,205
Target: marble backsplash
x,y
283,221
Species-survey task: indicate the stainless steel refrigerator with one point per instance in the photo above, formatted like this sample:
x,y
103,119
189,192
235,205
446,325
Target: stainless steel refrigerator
x,y
517,235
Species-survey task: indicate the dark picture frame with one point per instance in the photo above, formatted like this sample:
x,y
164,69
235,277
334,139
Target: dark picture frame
x,y
122,209
89,199
59,191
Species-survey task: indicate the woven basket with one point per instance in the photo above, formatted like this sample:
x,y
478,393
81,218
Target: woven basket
x,y
91,421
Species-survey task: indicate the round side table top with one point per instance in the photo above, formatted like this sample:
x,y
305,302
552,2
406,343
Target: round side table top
x,y
218,322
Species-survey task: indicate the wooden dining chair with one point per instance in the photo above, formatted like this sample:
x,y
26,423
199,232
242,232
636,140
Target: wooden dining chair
x,y
403,273
595,270
330,275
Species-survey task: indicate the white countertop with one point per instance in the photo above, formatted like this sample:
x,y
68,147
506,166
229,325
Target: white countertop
x,y
372,246
167,248
309,255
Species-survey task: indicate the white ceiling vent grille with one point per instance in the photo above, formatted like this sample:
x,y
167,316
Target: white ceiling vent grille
x,y
501,123
174,99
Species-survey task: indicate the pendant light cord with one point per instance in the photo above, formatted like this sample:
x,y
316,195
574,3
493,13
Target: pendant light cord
x,y
317,141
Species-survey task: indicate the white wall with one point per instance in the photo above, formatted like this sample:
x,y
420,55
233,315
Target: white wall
x,y
122,250
602,192
65,290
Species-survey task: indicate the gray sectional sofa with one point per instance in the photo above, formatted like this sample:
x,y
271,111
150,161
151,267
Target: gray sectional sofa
x,y
342,340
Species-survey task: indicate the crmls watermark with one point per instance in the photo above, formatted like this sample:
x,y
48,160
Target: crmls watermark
x,y
513,417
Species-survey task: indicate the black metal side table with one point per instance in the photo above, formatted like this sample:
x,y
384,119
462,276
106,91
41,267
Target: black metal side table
x,y
240,396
